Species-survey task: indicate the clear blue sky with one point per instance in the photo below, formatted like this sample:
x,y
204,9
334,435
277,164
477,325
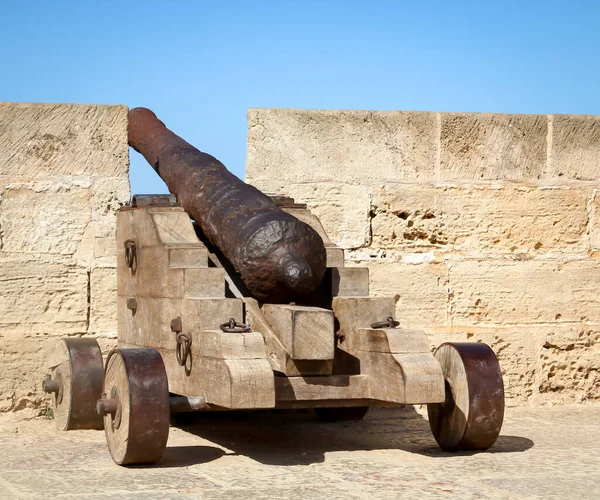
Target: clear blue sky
x,y
200,65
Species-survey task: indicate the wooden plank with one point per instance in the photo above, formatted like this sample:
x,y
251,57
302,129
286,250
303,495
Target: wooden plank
x,y
208,282
238,384
423,378
335,256
173,225
278,357
153,277
349,281
322,388
403,378
361,312
330,403
252,383
208,314
229,383
188,257
151,324
392,340
218,344
125,285
172,279
143,229
305,332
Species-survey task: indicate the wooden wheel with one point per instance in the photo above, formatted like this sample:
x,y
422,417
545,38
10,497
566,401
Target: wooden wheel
x,y
341,414
135,405
75,382
471,416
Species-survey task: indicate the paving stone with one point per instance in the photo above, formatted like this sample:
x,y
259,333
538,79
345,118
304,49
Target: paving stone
x,y
542,452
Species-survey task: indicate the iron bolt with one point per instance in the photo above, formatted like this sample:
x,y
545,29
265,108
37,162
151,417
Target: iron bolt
x,y
176,325
132,304
49,385
105,406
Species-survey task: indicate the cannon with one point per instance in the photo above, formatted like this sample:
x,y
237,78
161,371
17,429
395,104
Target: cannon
x,y
278,256
199,329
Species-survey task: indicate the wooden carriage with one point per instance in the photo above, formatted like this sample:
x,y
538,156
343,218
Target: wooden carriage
x,y
190,338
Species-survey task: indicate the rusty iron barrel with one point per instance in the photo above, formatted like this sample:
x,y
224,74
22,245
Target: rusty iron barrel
x,y
277,256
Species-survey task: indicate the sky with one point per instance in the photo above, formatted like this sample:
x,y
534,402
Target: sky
x,y
200,65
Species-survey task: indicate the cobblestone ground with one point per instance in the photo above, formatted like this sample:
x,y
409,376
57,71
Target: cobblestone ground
x,y
541,453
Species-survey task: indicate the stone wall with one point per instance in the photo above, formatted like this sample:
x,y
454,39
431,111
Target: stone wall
x,y
485,227
63,175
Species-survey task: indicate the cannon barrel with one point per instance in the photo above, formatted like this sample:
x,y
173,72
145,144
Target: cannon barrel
x,y
277,256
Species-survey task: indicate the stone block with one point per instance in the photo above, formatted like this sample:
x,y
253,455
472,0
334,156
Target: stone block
x,y
420,290
524,292
103,301
23,362
341,146
42,140
575,147
343,209
595,221
44,217
42,296
569,364
109,194
480,219
484,146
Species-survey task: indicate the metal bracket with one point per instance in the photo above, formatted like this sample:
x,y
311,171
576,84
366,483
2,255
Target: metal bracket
x,y
154,200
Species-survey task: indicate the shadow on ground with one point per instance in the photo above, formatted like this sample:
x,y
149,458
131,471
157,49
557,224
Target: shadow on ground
x,y
297,438
184,456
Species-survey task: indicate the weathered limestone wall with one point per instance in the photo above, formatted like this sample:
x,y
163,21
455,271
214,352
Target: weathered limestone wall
x,y
483,226
63,175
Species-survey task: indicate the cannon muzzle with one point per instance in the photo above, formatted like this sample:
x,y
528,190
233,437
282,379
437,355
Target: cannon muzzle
x,y
277,256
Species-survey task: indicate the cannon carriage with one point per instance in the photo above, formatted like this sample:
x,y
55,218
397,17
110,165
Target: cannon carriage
x,y
201,329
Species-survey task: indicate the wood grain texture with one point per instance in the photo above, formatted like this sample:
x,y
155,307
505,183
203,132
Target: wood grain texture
x,y
278,357
349,281
204,283
76,365
322,388
471,416
305,332
188,258
137,380
117,438
335,256
392,340
403,378
151,323
230,369
361,312
222,345
59,362
173,226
